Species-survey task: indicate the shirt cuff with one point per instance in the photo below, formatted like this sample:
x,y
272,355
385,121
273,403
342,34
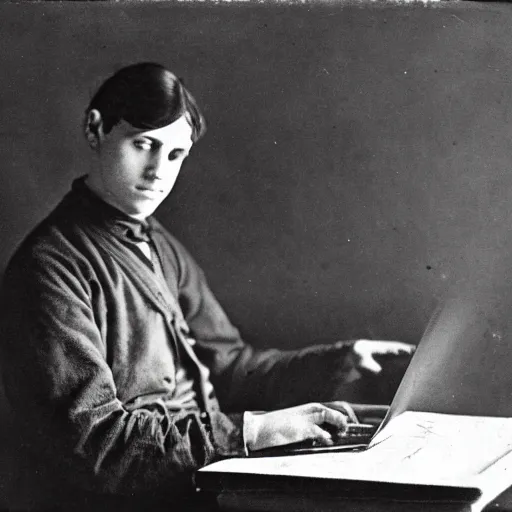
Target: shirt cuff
x,y
250,429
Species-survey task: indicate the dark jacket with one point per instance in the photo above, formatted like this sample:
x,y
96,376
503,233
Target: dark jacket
x,y
89,340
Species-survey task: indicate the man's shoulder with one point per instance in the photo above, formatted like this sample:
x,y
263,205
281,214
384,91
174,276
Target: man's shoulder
x,y
56,234
173,247
169,238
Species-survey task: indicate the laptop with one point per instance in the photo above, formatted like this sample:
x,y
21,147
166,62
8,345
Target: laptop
x,y
462,354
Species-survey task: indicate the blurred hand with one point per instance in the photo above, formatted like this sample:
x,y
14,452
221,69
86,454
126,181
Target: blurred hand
x,y
364,352
294,424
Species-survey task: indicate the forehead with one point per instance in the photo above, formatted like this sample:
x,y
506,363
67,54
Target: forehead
x,y
177,134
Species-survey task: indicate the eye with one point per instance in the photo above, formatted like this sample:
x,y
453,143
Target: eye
x,y
142,144
177,154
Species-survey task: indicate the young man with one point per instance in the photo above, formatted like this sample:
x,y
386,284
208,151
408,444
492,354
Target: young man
x,y
122,369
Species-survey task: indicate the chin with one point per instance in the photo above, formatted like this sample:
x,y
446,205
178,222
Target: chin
x,y
146,212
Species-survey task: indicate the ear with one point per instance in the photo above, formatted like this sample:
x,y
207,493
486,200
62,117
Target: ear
x,y
94,128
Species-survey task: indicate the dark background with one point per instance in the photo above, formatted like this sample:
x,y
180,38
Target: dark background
x,y
357,158
357,161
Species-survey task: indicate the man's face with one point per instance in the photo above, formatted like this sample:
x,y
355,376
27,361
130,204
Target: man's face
x,y
137,169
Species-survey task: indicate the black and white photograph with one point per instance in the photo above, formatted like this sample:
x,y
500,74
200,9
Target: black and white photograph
x,y
256,256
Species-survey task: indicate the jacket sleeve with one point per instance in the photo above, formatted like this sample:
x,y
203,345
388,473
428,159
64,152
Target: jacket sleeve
x,y
249,379
59,384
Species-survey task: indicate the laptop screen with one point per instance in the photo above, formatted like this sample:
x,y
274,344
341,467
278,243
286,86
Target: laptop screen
x,y
463,364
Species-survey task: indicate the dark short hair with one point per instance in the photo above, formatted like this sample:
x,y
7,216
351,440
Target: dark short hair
x,y
148,96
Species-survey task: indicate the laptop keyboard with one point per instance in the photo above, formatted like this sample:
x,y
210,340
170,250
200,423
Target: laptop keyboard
x,y
357,436
356,433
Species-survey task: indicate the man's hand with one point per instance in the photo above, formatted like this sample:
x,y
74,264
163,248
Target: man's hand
x,y
365,355
292,425
364,352
364,413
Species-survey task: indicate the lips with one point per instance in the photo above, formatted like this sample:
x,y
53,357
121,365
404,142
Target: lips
x,y
149,190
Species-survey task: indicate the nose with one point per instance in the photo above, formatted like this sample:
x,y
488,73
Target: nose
x,y
155,166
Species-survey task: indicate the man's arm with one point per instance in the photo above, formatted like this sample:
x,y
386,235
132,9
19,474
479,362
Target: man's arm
x,y
60,385
246,378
